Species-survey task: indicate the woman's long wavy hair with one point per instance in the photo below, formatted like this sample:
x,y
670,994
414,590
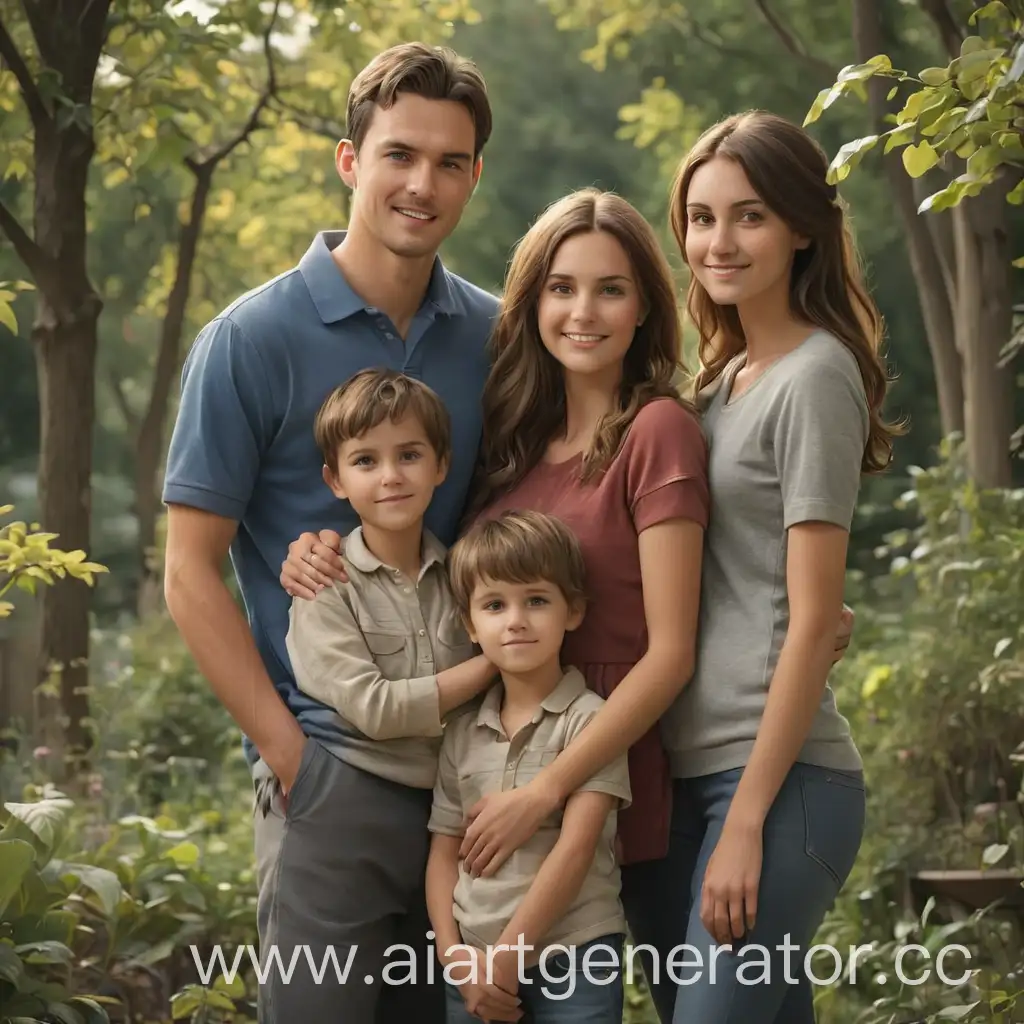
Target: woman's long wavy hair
x,y
787,169
524,397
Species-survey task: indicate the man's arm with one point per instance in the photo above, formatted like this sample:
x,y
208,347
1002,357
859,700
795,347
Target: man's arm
x,y
218,637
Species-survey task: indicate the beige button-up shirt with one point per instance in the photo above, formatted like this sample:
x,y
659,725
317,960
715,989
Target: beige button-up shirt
x,y
477,758
371,649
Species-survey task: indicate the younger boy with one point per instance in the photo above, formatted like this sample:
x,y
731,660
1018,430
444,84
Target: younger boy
x,y
518,581
389,652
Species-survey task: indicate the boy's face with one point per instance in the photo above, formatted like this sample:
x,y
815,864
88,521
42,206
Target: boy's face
x,y
414,173
520,626
388,475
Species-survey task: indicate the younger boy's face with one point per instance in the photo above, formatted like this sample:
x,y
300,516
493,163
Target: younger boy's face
x,y
388,475
520,626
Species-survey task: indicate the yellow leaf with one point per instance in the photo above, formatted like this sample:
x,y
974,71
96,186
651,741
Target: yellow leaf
x,y
252,231
228,68
919,159
7,317
876,677
115,177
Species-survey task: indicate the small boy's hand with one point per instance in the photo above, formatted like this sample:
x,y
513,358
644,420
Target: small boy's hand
x,y
487,1001
312,563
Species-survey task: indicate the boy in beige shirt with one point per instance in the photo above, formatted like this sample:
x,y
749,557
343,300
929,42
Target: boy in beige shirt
x,y
547,928
387,650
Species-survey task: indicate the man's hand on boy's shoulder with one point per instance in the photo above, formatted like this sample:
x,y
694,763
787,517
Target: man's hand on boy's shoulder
x,y
314,561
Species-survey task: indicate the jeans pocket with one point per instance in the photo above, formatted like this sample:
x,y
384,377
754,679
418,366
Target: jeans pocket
x,y
834,810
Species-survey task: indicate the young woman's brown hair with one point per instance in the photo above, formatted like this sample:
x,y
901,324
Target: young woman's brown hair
x,y
787,169
524,397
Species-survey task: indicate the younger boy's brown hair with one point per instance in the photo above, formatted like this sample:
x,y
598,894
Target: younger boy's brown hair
x,y
433,72
369,397
518,547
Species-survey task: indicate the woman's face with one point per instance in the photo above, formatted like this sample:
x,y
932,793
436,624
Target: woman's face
x,y
590,306
738,249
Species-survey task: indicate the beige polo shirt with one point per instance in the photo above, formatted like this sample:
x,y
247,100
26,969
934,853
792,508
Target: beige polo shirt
x,y
371,649
478,758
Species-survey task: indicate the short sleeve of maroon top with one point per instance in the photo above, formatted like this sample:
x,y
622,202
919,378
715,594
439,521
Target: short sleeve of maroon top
x,y
660,473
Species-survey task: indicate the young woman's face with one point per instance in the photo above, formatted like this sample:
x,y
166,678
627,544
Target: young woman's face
x,y
590,306
738,249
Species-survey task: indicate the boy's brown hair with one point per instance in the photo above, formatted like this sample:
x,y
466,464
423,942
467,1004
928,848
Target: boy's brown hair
x,y
433,72
517,547
368,398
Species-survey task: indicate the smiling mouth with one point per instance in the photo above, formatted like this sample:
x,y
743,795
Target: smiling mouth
x,y
725,271
420,215
394,497
583,339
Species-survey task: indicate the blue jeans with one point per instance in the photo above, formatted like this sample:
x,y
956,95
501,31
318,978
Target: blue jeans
x,y
810,842
563,990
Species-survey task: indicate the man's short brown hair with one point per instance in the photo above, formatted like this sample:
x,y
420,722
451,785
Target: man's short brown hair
x,y
517,547
433,72
368,398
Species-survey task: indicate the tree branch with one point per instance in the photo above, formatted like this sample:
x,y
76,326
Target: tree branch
x,y
253,121
790,41
29,91
950,31
131,419
312,122
35,260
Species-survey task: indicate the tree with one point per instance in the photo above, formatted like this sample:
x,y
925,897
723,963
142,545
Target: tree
x,y
85,72
963,121
56,89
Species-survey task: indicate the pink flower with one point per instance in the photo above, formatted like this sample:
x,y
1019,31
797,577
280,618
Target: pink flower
x,y
42,752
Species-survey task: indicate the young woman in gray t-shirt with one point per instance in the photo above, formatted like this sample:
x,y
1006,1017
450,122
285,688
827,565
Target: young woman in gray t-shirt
x,y
769,794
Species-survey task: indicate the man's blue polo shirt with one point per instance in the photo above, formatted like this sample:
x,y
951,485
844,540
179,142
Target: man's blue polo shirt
x,y
243,444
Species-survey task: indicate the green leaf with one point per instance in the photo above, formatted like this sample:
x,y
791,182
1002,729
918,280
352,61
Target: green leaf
x,y
184,855
64,1014
99,880
184,1003
994,10
16,858
44,817
849,156
956,1012
91,1011
900,136
49,951
919,159
934,76
12,969
994,854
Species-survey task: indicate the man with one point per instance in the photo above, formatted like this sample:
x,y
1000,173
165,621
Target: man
x,y
244,472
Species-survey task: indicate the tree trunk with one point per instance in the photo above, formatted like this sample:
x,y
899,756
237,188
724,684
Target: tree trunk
x,y
149,442
934,297
984,322
65,340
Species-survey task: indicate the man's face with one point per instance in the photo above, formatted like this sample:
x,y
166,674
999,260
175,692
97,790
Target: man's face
x,y
413,174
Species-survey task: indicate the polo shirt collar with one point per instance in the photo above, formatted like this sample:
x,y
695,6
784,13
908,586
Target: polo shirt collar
x,y
336,300
362,558
569,687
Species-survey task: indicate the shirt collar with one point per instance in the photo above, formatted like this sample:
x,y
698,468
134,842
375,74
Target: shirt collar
x,y
362,558
569,687
334,297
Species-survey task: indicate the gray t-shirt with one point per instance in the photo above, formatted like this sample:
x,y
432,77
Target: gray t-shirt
x,y
786,450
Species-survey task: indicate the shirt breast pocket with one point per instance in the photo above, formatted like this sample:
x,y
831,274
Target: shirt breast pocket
x,y
388,649
454,645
